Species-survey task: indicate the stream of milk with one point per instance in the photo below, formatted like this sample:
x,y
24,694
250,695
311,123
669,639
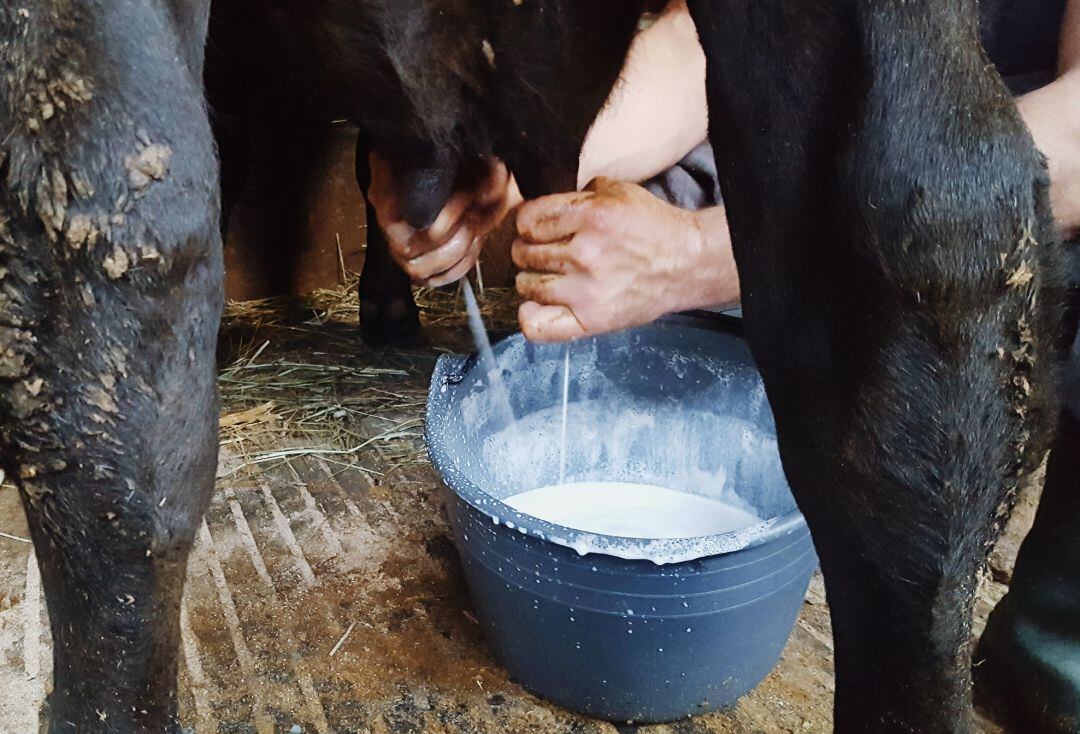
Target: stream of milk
x,y
490,367
631,510
565,404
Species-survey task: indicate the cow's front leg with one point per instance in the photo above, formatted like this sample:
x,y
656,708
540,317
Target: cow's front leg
x,y
110,285
890,224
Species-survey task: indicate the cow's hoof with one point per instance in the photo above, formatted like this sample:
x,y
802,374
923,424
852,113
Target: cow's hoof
x,y
1026,679
390,323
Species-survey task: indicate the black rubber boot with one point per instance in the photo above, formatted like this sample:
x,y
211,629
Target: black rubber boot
x,y
1028,663
1027,670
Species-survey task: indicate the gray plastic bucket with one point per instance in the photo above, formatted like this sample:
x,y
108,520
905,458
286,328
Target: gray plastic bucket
x,y
611,633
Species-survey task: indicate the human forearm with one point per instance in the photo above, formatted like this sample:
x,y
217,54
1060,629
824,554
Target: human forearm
x,y
1052,113
706,276
657,111
1069,41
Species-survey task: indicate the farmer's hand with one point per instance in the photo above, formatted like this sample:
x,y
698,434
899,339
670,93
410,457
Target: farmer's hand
x,y
449,248
614,256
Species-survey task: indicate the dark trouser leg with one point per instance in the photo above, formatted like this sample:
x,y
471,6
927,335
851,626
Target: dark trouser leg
x,y
388,312
1028,667
899,276
111,270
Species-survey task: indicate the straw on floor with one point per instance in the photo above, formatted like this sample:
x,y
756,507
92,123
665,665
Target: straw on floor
x,y
296,379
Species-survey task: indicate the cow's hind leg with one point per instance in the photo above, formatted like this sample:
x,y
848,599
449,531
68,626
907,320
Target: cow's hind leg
x,y
890,224
110,285
388,312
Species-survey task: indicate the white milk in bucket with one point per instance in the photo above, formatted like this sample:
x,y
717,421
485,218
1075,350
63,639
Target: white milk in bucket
x,y
631,510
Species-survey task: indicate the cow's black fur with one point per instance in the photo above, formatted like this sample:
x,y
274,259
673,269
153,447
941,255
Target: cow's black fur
x,y
110,295
901,292
891,229
458,78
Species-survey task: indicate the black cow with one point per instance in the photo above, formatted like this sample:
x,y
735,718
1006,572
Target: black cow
x,y
891,229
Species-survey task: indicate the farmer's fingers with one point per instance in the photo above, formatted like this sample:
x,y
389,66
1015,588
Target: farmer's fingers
x,y
441,258
446,224
555,217
547,288
544,258
542,323
458,271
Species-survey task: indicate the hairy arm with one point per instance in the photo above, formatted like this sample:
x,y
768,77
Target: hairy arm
x,y
657,111
1052,113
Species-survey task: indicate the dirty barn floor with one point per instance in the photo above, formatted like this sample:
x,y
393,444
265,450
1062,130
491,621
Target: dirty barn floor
x,y
324,594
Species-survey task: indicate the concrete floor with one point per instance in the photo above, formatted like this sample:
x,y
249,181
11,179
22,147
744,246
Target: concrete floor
x,y
325,598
